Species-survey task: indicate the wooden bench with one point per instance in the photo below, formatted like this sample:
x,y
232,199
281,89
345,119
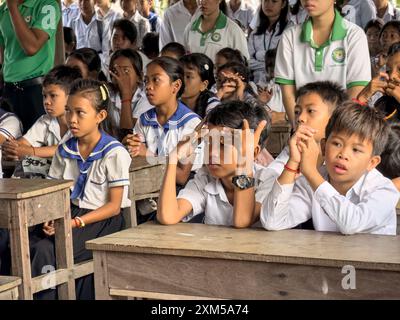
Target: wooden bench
x,y
9,287
28,202
145,177
191,261
278,137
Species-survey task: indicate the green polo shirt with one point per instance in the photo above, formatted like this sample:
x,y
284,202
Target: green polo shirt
x,y
38,14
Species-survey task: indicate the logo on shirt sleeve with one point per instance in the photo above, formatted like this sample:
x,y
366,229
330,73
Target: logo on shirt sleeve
x,y
339,55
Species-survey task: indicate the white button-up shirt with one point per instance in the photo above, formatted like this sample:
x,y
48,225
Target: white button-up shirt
x,y
391,13
69,13
359,12
245,13
368,207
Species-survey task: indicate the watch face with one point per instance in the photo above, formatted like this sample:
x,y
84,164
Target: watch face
x,y
242,182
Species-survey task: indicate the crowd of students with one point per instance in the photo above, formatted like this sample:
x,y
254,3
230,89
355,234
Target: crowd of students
x,y
200,87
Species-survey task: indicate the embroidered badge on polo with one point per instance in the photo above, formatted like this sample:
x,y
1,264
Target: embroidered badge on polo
x,y
216,37
28,19
339,55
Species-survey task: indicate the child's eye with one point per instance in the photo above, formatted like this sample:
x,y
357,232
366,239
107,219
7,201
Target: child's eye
x,y
311,111
337,144
356,150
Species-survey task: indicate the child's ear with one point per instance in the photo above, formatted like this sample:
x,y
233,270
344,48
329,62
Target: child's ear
x,y
323,146
177,84
101,116
204,85
257,151
373,163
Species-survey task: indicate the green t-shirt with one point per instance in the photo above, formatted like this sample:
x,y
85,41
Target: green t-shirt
x,y
38,14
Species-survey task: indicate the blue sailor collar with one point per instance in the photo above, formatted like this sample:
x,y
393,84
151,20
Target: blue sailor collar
x,y
69,149
181,116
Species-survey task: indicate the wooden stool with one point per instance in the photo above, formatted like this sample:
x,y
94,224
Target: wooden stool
x,y
29,202
278,138
145,178
9,288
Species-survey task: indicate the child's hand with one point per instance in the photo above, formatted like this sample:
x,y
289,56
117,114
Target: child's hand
x,y
249,140
303,133
310,151
136,146
264,95
393,89
377,84
231,84
15,151
124,81
48,228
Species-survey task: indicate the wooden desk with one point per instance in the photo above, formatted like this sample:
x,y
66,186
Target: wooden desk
x,y
196,260
28,202
145,177
9,288
278,138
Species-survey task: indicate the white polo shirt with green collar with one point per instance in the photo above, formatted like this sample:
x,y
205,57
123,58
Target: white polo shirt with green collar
x,y
344,58
226,33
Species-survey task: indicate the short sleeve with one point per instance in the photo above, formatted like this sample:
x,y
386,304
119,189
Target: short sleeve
x,y
141,106
47,16
189,127
57,167
11,127
1,40
117,167
138,129
186,37
284,68
194,193
358,58
36,135
240,41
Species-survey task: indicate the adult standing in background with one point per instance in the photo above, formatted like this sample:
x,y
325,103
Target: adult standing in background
x,y
70,11
241,11
386,10
175,20
359,12
27,42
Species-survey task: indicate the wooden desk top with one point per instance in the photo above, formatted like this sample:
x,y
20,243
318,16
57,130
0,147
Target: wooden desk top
x,y
302,247
143,162
27,188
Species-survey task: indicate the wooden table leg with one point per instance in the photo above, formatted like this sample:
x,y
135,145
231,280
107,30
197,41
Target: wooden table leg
x,y
19,243
101,285
64,250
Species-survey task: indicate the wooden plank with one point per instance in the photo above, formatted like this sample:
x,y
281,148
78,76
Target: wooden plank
x,y
234,279
11,294
63,243
7,283
51,279
139,163
26,188
19,244
147,180
59,54
288,246
83,269
154,295
101,284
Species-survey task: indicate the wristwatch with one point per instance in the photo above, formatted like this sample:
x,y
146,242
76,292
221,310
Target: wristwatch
x,y
243,182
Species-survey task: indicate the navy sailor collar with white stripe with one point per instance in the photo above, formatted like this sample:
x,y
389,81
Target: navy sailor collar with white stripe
x,y
181,116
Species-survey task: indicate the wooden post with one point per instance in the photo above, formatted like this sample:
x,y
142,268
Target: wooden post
x,y
59,56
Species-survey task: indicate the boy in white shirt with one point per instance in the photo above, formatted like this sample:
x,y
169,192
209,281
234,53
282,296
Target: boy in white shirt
x,y
347,194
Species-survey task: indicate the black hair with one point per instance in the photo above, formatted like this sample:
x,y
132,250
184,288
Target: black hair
x,y
203,64
69,36
174,47
91,59
232,113
5,105
264,22
62,76
295,9
173,69
98,93
232,55
393,23
374,23
128,28
389,106
150,45
390,157
223,7
329,91
202,102
269,60
393,49
134,58
361,120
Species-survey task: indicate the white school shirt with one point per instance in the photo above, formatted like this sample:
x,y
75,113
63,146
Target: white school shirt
x,y
174,23
142,26
343,59
258,46
359,12
45,132
391,13
226,33
276,102
110,169
108,20
298,18
161,140
69,13
139,105
245,13
368,207
207,194
10,127
87,35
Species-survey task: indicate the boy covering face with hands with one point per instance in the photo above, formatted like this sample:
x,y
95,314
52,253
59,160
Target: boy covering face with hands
x,y
347,194
227,188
